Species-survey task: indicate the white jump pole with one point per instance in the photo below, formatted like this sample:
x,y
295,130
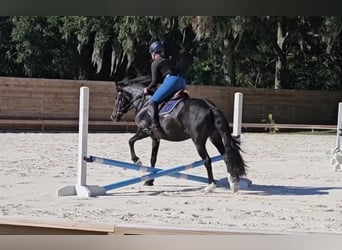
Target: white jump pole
x,y
339,126
83,136
237,120
81,188
336,161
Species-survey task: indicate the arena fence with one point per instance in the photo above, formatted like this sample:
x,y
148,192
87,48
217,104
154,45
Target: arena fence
x,y
52,104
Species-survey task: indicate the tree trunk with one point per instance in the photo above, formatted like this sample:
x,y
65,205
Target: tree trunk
x,y
280,79
228,63
277,78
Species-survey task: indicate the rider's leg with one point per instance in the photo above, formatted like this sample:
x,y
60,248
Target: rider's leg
x,y
170,86
153,111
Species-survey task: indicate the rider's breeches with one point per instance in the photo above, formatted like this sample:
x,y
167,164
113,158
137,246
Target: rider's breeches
x,y
171,85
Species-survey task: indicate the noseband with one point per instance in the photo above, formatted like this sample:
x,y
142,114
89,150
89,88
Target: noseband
x,y
122,110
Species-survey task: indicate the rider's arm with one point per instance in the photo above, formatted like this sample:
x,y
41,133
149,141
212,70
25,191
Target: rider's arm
x,y
154,74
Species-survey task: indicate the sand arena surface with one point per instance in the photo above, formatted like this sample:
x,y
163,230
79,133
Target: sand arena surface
x,y
294,187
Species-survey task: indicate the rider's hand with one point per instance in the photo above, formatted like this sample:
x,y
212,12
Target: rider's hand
x,y
146,91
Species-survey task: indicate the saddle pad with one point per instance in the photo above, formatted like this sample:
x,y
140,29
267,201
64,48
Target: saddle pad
x,y
169,106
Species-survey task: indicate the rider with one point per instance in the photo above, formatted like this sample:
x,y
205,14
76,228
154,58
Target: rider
x,y
163,73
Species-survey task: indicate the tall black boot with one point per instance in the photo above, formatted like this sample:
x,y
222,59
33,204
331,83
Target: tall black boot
x,y
153,110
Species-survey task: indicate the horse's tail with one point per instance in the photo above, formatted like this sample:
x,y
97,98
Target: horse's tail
x,y
232,152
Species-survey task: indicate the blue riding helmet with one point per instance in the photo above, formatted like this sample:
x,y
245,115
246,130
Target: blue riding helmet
x,y
156,47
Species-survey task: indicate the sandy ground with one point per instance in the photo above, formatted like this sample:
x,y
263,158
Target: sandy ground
x,y
294,188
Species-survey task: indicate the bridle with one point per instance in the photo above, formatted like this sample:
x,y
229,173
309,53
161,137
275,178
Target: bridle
x,y
122,110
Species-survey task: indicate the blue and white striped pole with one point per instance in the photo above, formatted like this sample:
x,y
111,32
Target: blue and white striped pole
x,y
173,171
140,168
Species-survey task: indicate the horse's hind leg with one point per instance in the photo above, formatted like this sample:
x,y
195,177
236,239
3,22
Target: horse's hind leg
x,y
216,139
153,159
202,151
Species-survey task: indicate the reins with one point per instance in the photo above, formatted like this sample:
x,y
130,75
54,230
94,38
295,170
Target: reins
x,y
129,105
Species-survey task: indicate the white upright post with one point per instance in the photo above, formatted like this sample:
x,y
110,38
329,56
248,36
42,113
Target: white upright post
x,y
339,127
81,188
336,161
83,136
237,121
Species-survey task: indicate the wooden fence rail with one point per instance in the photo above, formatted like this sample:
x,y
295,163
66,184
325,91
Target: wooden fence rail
x,y
52,104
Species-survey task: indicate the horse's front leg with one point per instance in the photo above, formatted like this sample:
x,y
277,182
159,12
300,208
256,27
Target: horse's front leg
x,y
153,159
138,136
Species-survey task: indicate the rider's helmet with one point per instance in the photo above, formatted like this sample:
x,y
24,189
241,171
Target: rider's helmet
x,y
156,47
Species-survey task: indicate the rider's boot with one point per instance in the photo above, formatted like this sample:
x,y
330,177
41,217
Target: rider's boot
x,y
155,127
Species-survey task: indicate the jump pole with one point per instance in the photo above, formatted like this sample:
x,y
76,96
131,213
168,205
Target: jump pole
x,y
138,167
237,120
81,188
172,171
336,161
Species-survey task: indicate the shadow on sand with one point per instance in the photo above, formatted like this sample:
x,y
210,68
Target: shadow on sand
x,y
281,190
254,189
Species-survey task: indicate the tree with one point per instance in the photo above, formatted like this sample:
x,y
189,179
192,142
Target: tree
x,y
8,66
274,32
310,64
332,39
223,35
118,45
39,48
268,52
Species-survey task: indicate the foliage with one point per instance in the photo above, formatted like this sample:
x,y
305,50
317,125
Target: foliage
x,y
299,52
272,127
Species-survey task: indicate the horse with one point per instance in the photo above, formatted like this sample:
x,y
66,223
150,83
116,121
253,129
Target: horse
x,y
192,118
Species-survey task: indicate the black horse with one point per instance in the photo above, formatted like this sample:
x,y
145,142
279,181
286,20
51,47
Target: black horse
x,y
193,118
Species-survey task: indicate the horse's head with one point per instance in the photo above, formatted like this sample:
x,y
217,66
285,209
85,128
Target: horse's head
x,y
128,96
122,103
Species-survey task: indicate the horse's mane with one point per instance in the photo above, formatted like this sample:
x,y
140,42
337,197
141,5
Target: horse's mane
x,y
134,86
140,80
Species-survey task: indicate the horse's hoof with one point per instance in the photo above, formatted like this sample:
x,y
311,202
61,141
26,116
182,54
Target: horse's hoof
x,y
210,188
235,187
234,184
138,162
148,183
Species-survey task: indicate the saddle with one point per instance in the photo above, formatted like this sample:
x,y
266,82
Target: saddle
x,y
168,105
